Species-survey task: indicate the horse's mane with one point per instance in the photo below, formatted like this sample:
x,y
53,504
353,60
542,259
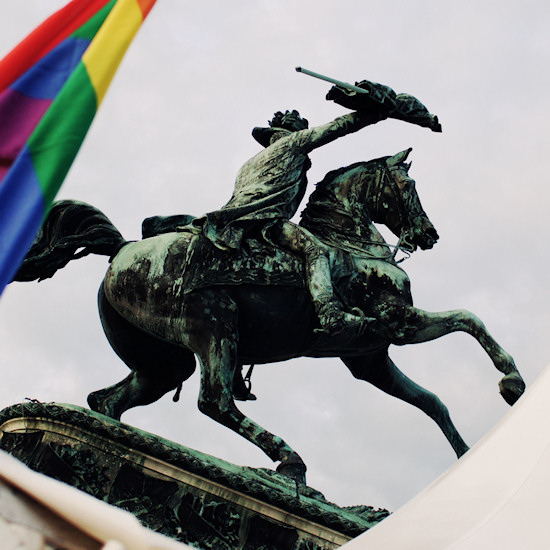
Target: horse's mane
x,y
324,214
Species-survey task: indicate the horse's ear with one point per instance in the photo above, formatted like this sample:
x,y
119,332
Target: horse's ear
x,y
399,158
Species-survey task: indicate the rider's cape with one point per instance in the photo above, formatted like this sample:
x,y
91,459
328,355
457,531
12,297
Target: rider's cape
x,y
269,187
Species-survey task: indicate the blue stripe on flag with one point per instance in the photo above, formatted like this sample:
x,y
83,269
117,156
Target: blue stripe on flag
x,y
45,79
21,212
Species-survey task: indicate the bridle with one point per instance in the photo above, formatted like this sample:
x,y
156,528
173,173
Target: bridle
x,y
404,209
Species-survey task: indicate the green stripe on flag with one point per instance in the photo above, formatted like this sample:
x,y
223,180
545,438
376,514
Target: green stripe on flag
x,y
90,28
59,135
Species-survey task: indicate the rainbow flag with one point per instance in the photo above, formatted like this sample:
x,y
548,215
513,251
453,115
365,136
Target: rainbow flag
x,y
51,86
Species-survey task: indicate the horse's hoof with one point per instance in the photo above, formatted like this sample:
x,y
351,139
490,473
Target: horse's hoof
x,y
511,387
94,402
98,402
295,469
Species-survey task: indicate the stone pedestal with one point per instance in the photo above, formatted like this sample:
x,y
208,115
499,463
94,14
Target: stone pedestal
x,y
182,493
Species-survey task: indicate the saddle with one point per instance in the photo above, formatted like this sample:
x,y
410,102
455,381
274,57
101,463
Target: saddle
x,y
256,262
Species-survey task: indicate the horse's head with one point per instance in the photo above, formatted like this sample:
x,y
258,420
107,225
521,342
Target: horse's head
x,y
397,205
346,202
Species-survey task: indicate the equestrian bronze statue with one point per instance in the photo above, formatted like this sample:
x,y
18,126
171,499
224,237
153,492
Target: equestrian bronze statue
x,y
244,286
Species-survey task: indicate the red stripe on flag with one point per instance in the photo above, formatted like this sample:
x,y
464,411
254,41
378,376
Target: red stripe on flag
x,y
45,37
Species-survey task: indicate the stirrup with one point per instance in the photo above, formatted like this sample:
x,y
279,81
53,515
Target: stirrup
x,y
341,321
242,389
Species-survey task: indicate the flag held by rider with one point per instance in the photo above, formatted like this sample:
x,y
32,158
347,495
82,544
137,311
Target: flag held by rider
x,y
51,85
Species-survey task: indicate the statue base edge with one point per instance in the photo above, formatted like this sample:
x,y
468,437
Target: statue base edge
x,y
182,493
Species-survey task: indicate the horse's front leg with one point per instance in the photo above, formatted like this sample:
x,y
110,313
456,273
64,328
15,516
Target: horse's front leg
x,y
380,371
213,337
416,326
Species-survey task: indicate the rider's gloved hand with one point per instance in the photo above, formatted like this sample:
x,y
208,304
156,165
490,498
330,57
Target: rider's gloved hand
x,y
380,100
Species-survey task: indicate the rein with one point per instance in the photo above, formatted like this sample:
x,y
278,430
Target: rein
x,y
390,257
327,216
402,211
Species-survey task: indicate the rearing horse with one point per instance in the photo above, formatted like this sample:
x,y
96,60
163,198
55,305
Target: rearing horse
x,y
158,327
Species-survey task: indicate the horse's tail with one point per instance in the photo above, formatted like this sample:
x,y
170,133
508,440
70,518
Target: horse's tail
x,y
71,230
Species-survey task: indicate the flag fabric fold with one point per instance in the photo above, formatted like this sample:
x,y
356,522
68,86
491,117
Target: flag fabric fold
x,y
51,86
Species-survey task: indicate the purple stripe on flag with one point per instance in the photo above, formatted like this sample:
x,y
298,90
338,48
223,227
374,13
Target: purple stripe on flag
x,y
45,79
19,116
21,212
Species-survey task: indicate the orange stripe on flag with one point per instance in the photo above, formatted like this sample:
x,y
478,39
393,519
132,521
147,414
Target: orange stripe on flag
x,y
145,6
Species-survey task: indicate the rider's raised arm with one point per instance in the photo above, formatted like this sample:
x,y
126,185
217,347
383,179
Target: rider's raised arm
x,y
341,126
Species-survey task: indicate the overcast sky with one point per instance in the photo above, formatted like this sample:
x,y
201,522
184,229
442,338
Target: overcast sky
x,y
170,137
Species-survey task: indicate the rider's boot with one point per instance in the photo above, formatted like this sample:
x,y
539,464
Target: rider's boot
x,y
332,316
330,311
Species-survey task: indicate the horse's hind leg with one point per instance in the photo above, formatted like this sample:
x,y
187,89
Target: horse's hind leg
x,y
381,372
214,340
422,326
216,401
158,367
137,389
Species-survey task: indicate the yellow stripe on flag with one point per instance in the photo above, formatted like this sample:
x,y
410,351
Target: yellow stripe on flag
x,y
106,51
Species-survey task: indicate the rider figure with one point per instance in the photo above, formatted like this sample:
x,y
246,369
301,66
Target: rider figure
x,y
268,190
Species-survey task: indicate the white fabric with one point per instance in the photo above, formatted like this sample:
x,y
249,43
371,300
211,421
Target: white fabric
x,y
116,528
497,496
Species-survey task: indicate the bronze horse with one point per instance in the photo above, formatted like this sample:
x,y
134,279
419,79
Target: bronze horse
x,y
157,326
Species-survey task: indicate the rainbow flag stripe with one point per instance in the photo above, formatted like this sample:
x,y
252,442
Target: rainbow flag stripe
x,y
51,86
